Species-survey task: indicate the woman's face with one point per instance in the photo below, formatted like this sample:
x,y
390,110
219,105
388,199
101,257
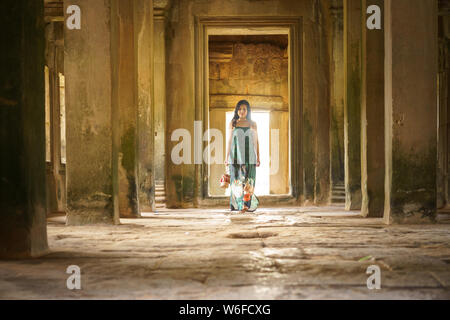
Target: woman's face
x,y
242,112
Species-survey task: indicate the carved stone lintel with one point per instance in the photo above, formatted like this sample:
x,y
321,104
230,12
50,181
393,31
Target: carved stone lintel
x,y
258,102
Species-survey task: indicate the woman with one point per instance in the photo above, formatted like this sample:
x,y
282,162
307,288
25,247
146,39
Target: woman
x,y
242,157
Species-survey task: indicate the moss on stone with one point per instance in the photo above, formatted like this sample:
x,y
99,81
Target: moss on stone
x,y
128,149
414,181
184,188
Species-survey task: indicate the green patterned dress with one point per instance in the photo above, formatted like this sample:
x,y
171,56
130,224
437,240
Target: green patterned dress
x,y
243,169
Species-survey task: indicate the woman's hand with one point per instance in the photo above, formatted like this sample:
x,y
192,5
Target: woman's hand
x,y
258,162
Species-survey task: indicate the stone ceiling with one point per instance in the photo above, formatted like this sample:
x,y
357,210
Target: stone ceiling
x,y
278,40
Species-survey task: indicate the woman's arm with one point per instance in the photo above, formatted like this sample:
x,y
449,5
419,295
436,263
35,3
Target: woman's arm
x,y
258,162
230,134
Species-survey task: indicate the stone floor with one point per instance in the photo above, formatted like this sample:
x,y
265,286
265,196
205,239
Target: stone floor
x,y
290,253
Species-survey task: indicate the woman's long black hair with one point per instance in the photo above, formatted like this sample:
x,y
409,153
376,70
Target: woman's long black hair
x,y
236,116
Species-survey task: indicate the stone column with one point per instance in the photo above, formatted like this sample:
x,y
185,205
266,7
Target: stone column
x,y
316,113
52,31
123,89
309,129
372,116
337,95
410,109
445,102
91,155
352,106
160,94
23,226
143,42
322,187
180,102
279,181
444,114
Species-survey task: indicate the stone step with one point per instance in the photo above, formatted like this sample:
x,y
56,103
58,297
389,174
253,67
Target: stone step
x,y
160,199
338,199
160,193
160,205
338,193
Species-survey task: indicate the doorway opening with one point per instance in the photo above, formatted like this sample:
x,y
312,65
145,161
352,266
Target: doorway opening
x,y
254,67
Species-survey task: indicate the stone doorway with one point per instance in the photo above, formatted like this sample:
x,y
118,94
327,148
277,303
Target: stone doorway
x,y
254,68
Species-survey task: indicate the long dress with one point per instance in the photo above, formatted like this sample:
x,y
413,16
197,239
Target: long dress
x,y
243,169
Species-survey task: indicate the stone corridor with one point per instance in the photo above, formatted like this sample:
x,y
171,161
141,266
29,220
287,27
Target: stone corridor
x,y
289,253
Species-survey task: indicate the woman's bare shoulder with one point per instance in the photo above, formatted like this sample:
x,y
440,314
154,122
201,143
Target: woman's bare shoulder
x,y
253,124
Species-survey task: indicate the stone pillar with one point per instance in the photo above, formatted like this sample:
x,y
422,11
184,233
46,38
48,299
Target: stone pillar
x,y
54,33
372,117
23,226
143,42
180,102
316,114
410,109
309,129
444,114
322,187
123,89
445,102
279,181
337,95
160,94
352,107
91,154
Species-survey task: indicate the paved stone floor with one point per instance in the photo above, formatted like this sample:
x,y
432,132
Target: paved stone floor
x,y
290,253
